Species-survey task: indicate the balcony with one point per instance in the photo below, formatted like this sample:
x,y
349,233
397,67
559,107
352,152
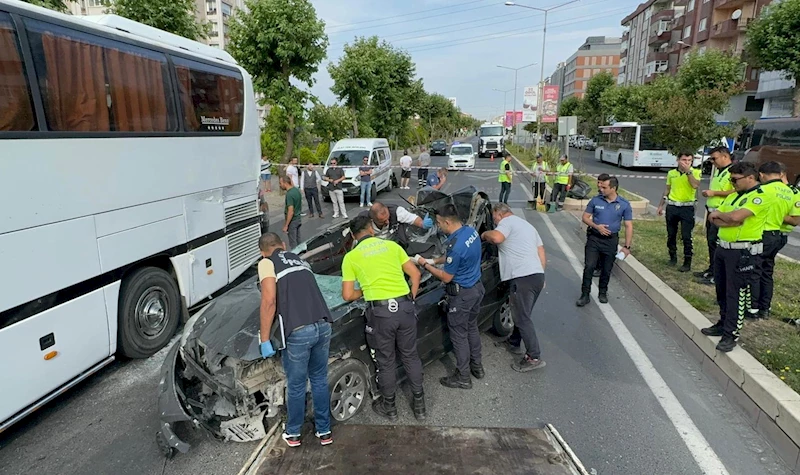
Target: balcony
x,y
657,38
678,23
657,56
662,15
729,28
729,4
211,11
626,34
213,34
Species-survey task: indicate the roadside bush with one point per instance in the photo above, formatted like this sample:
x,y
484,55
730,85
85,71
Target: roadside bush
x,y
323,150
305,156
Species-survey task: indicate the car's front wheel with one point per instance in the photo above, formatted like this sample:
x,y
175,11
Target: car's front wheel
x,y
348,383
502,323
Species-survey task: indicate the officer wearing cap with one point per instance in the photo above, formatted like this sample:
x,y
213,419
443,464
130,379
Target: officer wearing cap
x,y
462,276
782,197
740,218
719,188
379,266
680,197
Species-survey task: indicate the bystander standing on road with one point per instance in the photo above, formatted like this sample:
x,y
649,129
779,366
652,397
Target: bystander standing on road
x,y
604,216
380,267
405,170
719,188
539,177
290,292
334,175
365,174
310,181
782,199
266,174
504,178
424,160
462,277
563,182
680,197
438,179
292,171
522,264
740,218
291,211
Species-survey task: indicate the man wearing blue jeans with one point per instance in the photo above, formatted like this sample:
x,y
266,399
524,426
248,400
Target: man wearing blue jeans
x,y
290,292
365,173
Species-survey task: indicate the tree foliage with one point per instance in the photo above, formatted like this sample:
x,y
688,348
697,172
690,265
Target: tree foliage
x,y
281,44
773,41
569,107
591,110
331,122
57,5
712,70
174,16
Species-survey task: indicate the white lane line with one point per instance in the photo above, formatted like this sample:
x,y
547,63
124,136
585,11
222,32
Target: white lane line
x,y
701,451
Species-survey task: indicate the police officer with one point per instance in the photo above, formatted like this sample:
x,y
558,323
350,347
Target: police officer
x,y
379,266
782,197
462,276
740,218
604,216
391,221
680,197
563,182
504,178
716,193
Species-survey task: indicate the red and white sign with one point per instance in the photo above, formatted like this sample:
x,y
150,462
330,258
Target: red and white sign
x,y
550,104
513,119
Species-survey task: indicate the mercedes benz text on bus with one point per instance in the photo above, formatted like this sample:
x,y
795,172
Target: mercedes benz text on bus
x,y
628,144
128,175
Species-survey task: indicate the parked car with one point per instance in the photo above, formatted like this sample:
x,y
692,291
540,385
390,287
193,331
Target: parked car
x,y
462,155
439,147
214,377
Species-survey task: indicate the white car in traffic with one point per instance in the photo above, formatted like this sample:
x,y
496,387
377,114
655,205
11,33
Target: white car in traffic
x,y
462,155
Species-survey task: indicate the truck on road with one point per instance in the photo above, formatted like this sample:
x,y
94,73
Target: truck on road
x,y
492,140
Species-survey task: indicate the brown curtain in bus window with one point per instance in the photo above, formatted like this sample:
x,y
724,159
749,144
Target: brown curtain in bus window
x,y
76,87
138,97
231,101
16,113
187,104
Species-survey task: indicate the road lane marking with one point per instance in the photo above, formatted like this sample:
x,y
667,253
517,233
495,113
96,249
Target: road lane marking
x,y
708,461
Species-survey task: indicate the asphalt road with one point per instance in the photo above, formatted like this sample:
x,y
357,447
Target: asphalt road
x,y
653,189
595,394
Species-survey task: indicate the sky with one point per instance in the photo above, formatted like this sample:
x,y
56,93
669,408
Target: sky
x,y
458,44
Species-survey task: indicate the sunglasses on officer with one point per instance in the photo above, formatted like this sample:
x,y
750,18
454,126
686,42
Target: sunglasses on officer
x,y
735,179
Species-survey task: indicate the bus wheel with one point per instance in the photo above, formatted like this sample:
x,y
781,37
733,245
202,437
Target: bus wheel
x,y
149,312
619,160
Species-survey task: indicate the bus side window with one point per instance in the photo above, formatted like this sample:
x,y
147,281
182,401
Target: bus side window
x,y
374,160
212,98
16,110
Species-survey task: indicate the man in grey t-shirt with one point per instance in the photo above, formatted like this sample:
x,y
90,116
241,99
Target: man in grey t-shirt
x,y
424,163
522,263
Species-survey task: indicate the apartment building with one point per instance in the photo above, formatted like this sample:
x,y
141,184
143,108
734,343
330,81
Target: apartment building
x,y
597,54
557,79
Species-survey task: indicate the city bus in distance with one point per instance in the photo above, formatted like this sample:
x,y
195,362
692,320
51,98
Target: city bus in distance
x,y
628,144
129,162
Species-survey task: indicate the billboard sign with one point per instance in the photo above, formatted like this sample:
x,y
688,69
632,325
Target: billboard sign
x,y
513,119
529,104
550,104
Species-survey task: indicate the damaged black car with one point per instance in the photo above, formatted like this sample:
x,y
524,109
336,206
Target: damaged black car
x,y
215,379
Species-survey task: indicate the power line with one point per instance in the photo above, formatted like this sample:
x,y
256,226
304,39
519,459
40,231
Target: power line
x,y
412,13
415,19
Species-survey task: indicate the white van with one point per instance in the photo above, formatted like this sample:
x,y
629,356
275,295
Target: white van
x,y
461,155
349,154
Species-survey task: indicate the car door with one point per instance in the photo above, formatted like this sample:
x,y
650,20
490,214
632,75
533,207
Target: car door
x,y
384,166
432,338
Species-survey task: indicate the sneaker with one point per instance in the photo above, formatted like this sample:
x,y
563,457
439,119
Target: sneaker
x,y
345,216
602,297
291,440
706,281
726,344
361,205
321,216
763,314
335,216
456,381
324,439
527,364
513,349
303,214
369,204
713,330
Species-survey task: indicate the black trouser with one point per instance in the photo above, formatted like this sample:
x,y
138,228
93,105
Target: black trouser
x,y
462,321
505,190
538,189
389,333
422,176
599,250
711,238
683,216
312,196
294,232
763,283
524,293
733,276
559,193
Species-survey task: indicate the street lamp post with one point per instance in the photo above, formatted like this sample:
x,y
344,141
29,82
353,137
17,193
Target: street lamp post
x,y
541,75
516,70
505,94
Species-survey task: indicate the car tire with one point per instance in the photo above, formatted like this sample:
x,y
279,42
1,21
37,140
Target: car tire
x,y
502,322
149,312
389,185
349,389
373,193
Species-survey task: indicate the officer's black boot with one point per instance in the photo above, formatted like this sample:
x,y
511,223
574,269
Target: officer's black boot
x,y
457,381
673,259
584,300
384,406
726,344
418,406
687,265
477,370
713,330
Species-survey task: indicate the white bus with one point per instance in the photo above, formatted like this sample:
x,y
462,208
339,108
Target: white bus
x,y
129,160
628,144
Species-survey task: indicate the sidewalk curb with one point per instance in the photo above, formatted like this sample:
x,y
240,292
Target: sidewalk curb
x,y
771,406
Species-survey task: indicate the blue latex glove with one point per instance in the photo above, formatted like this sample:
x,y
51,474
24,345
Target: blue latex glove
x,y
427,223
266,349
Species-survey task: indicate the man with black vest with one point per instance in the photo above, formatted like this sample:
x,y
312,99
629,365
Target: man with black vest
x,y
294,315
380,267
390,222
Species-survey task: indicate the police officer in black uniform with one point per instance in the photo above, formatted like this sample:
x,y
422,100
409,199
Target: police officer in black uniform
x,y
462,276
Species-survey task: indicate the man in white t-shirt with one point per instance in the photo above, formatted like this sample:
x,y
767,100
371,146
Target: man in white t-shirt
x,y
522,263
405,170
291,171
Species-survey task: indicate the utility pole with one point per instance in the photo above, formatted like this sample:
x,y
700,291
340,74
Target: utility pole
x,y
516,70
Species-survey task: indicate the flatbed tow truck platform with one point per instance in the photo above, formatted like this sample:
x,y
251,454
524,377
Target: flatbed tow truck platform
x,y
374,449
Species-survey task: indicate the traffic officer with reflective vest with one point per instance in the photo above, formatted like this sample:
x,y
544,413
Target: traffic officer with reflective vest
x,y
462,277
379,265
563,182
716,193
680,197
740,218
782,197
504,178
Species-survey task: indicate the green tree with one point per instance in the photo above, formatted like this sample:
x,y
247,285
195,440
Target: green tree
x,y
773,42
569,106
57,5
174,16
591,108
281,44
712,70
330,122
354,75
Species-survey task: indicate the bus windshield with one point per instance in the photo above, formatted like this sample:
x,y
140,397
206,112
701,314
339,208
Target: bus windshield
x,y
347,158
492,131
